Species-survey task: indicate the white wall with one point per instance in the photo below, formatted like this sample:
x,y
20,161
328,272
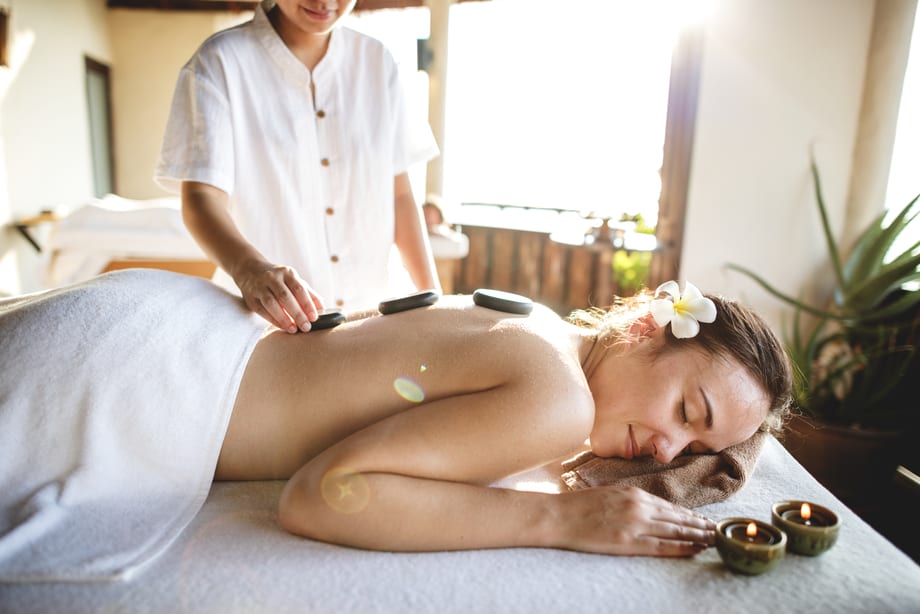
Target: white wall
x,y
779,78
45,159
149,49
44,136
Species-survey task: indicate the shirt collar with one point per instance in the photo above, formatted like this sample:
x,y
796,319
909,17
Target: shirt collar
x,y
293,69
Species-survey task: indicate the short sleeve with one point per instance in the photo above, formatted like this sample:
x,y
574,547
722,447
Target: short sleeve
x,y
198,141
414,141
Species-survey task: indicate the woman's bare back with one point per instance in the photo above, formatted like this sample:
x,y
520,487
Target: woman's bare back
x,y
301,394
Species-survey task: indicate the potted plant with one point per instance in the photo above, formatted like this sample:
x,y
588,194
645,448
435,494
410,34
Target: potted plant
x,y
856,360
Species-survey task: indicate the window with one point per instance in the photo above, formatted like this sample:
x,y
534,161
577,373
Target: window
x,y
98,103
548,106
903,181
558,111
556,106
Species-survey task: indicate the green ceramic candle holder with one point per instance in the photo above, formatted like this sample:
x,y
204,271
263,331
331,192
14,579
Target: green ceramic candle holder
x,y
810,535
749,554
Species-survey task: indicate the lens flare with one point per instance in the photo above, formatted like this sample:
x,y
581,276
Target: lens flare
x,y
408,390
345,490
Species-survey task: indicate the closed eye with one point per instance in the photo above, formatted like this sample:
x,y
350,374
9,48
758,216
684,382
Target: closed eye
x,y
683,412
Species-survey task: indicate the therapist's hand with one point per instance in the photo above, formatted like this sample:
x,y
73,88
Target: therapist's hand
x,y
275,292
278,294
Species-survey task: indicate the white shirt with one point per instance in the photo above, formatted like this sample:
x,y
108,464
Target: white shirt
x,y
309,186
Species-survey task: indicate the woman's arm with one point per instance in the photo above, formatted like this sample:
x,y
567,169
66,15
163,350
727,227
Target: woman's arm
x,y
277,293
411,237
416,482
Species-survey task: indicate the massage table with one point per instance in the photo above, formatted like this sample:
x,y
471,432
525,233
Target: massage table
x,y
113,233
233,557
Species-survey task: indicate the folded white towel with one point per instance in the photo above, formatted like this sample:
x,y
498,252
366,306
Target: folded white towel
x,y
115,398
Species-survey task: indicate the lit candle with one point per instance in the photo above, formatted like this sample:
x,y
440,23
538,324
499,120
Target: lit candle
x,y
749,534
806,516
749,546
812,528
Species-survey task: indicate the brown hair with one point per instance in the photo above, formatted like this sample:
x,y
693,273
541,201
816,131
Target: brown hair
x,y
737,332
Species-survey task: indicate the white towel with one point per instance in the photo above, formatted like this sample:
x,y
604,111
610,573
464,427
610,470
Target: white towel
x,y
112,228
115,398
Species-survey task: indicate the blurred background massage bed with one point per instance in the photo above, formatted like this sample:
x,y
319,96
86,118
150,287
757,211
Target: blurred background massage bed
x,y
113,233
233,556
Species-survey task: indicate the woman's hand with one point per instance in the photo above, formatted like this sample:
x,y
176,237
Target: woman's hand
x,y
609,520
278,294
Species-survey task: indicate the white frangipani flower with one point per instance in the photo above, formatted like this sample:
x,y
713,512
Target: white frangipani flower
x,y
683,311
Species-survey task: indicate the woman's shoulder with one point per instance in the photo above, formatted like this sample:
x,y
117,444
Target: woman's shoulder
x,y
373,52
360,40
544,344
220,47
550,374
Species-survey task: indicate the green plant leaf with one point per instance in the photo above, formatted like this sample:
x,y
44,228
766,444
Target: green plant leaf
x,y
906,255
872,314
873,245
884,366
828,235
905,304
821,313
871,292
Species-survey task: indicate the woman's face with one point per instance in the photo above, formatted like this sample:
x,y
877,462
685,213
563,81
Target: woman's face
x,y
314,16
683,400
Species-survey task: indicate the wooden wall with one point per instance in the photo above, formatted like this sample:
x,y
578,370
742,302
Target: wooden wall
x,y
563,277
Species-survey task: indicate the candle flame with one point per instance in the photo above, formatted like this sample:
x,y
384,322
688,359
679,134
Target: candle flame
x,y
805,511
751,529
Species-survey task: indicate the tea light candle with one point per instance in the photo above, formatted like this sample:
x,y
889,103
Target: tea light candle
x,y
749,546
805,515
812,528
749,534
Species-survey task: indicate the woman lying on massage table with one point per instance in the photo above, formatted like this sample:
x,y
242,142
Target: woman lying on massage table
x,y
391,427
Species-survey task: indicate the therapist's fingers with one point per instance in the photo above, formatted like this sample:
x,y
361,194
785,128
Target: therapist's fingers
x,y
283,323
267,306
295,298
303,300
265,290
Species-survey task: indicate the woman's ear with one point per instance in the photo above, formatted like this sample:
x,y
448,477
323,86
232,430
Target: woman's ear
x,y
642,328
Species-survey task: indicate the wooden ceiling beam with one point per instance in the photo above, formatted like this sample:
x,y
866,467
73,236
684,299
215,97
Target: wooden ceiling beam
x,y
250,5
186,5
376,5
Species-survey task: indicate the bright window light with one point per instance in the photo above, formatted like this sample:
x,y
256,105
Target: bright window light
x,y
903,180
558,105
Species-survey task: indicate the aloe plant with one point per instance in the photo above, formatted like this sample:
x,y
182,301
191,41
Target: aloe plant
x,y
853,361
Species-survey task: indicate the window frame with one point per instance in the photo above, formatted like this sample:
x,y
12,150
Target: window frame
x,y
95,68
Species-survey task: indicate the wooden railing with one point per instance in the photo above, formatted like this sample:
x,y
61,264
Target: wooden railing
x,y
563,277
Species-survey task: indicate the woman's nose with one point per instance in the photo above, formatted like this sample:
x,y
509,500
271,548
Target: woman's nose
x,y
665,448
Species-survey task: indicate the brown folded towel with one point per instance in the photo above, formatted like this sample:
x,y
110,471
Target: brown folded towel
x,y
690,481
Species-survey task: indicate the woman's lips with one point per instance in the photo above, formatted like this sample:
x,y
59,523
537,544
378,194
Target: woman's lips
x,y
318,15
630,444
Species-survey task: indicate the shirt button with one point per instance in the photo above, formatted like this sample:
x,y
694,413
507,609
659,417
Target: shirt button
x,y
339,303
324,161
321,114
329,210
334,258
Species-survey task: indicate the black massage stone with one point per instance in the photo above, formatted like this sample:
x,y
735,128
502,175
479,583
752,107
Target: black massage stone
x,y
503,301
405,303
329,318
